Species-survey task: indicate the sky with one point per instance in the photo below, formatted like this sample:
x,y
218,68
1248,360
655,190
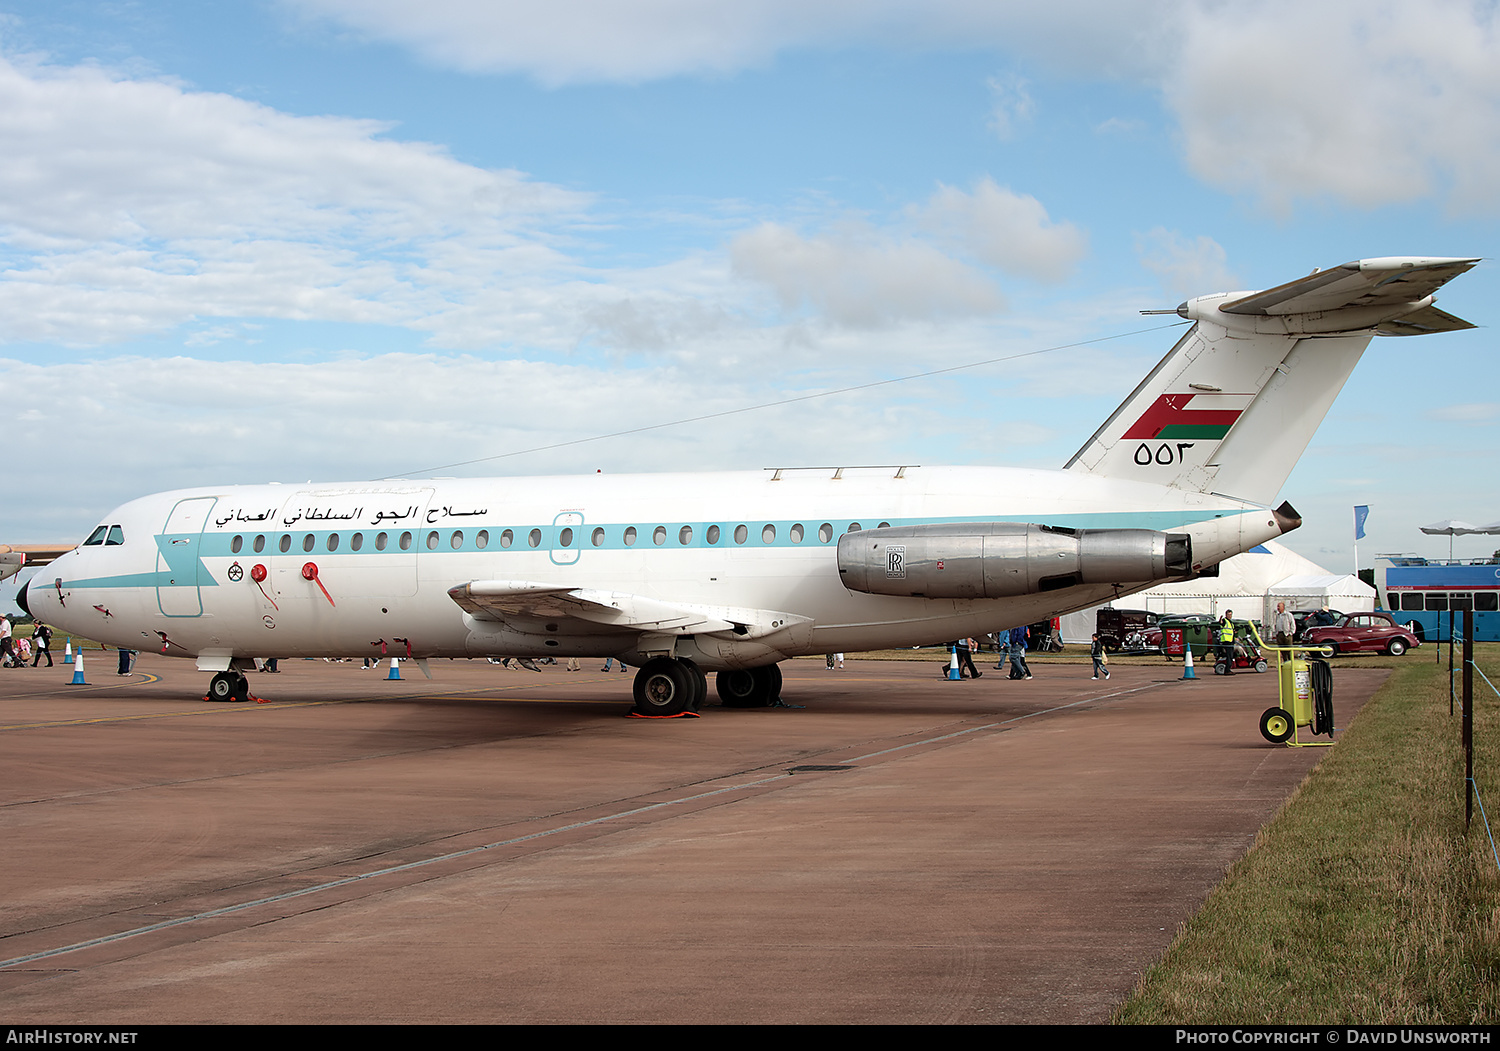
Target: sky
x,y
341,239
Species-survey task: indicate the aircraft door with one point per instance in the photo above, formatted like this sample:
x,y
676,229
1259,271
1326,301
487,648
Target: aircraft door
x,y
178,567
567,537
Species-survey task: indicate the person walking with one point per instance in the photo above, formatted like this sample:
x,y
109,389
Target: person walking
x,y
1018,652
42,637
1100,657
965,650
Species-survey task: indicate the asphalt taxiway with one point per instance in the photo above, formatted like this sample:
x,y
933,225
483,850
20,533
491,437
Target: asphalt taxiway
x,y
507,846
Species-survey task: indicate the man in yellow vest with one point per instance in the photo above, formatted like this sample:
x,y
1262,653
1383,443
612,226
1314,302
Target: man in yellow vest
x,y
1226,641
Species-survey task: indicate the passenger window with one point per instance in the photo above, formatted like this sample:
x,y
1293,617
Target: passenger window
x,y
507,538
796,533
534,538
825,532
96,537
885,525
381,539
566,538
740,534
333,541
713,534
685,535
630,536
116,537
768,534
598,537
1485,601
659,536
854,527
307,542
235,544
482,539
286,543
432,541
356,541
405,541
456,541
260,543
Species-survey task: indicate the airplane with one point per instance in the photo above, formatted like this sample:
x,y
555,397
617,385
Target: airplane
x,y
13,557
681,574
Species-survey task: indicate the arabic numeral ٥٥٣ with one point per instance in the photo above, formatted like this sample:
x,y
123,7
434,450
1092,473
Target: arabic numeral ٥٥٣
x,y
1165,453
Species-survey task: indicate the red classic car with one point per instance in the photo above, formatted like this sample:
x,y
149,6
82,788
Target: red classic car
x,y
1363,633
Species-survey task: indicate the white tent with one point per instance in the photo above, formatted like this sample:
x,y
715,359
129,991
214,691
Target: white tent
x,y
1347,594
1242,585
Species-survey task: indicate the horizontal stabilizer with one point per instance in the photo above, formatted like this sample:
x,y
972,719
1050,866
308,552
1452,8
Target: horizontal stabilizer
x,y
1423,322
1386,282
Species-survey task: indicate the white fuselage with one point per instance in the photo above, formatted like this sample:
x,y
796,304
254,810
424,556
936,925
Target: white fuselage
x,y
742,546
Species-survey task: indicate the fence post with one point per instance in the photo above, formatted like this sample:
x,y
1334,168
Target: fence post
x,y
1468,717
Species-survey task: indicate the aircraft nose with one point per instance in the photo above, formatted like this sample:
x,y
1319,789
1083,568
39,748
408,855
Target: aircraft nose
x,y
21,598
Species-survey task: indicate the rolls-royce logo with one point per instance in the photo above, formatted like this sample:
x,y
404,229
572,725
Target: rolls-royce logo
x,y
895,561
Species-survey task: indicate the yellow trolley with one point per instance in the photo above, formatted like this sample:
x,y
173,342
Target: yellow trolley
x,y
1306,697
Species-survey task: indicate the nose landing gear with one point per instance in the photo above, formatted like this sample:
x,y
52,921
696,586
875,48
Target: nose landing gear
x,y
228,686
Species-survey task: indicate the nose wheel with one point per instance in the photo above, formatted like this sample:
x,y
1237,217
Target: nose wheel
x,y
229,686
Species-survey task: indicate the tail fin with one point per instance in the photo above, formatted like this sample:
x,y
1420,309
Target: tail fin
x,y
1232,406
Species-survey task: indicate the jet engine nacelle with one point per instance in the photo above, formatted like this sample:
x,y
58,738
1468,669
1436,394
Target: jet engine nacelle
x,y
1005,559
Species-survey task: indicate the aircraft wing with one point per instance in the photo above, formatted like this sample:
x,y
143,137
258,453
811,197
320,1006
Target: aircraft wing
x,y
497,599
14,556
500,600
1390,281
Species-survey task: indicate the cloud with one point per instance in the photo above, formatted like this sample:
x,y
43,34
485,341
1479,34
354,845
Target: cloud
x,y
1369,102
1186,267
1474,412
131,206
587,41
1012,105
1008,230
857,276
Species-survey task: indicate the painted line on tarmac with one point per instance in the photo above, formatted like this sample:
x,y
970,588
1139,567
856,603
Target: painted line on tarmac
x,y
411,866
1005,723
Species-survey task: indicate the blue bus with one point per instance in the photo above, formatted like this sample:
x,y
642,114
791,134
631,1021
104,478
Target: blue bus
x,y
1420,592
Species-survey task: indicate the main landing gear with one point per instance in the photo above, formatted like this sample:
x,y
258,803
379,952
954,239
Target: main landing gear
x,y
670,686
228,686
749,687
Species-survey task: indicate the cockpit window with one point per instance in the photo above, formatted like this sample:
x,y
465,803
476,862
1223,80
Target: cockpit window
x,y
96,537
116,536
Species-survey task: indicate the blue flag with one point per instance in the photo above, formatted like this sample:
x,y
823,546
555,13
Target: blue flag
x,y
1361,512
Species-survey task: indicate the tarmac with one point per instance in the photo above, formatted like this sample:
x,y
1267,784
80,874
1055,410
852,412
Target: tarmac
x,y
508,846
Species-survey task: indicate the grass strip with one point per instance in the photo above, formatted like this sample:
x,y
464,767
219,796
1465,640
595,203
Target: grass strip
x,y
1363,901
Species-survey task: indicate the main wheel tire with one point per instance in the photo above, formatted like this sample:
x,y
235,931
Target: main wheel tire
x,y
1220,668
1261,665
664,686
1396,647
749,687
700,682
1276,725
736,688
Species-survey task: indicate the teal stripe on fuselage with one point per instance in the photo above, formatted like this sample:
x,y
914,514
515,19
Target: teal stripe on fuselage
x,y
217,545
